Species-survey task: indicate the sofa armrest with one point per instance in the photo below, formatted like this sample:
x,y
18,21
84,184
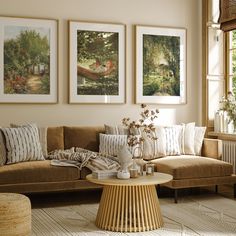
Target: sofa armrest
x,y
212,148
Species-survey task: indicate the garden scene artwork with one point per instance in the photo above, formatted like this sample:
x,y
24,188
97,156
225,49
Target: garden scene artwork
x,y
26,60
161,65
97,63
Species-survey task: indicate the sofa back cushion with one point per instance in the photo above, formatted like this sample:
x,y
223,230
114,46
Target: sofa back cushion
x,y
82,136
55,138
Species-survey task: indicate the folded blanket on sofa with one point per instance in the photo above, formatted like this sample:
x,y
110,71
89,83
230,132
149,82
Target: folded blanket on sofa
x,y
79,157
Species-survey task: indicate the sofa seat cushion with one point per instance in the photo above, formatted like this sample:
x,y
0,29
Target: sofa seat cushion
x,y
188,167
36,171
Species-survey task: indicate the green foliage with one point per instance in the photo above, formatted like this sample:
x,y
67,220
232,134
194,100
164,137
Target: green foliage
x,y
26,50
45,87
102,87
97,45
161,65
234,39
234,62
234,85
150,87
229,105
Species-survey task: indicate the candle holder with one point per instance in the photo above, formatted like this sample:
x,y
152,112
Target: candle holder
x,y
149,169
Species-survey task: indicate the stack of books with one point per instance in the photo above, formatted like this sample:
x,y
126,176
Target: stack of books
x,y
104,174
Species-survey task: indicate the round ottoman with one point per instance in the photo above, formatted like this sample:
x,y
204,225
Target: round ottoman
x,y
15,215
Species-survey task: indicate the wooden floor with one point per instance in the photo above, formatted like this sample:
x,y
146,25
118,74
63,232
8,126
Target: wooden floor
x,y
93,196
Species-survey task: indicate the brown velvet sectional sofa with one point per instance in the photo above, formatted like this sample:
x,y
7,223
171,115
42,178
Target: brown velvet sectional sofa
x,y
40,176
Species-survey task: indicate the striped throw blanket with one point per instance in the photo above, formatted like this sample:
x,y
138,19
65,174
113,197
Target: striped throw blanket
x,y
79,157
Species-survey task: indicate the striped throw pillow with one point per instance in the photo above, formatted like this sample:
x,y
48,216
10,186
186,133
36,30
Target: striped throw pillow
x,y
153,149
110,144
22,144
172,140
42,137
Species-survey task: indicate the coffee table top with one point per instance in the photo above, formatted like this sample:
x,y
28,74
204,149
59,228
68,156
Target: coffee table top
x,y
157,178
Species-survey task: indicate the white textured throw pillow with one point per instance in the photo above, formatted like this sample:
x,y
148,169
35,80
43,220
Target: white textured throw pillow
x,y
42,137
153,149
110,144
189,134
22,144
172,140
198,139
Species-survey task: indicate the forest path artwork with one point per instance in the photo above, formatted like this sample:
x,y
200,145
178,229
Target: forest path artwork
x,y
161,70
26,60
34,83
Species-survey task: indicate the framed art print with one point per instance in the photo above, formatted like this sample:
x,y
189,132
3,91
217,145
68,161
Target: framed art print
x,y
28,60
160,65
97,62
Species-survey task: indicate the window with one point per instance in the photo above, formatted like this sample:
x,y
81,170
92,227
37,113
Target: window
x,y
231,65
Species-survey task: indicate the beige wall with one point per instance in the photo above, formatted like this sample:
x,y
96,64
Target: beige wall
x,y
172,13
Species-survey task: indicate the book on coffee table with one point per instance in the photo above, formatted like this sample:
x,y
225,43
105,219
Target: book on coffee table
x,y
104,174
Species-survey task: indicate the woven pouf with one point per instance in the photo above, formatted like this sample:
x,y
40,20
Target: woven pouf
x,y
15,215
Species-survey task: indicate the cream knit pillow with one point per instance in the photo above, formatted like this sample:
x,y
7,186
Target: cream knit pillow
x,y
189,135
198,139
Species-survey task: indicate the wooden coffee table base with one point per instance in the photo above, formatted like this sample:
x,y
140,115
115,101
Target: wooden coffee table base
x,y
129,209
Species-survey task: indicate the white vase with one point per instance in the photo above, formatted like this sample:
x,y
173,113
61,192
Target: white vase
x,y
123,174
125,159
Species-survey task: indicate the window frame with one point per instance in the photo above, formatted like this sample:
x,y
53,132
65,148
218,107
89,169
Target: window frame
x,y
228,50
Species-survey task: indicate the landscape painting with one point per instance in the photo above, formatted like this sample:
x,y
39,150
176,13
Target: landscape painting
x,y
97,61
29,59
160,65
26,60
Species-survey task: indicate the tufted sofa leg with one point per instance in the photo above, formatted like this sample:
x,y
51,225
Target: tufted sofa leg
x,y
176,195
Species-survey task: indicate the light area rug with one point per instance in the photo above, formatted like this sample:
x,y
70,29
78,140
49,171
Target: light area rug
x,y
203,215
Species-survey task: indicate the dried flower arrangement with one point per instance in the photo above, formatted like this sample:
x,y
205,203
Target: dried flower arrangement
x,y
143,126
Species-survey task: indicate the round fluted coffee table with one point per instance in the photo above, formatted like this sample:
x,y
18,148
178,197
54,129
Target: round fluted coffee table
x,y
130,205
